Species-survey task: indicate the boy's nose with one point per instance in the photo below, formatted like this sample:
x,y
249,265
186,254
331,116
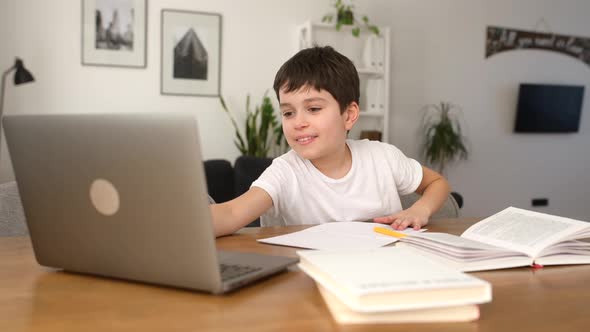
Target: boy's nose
x,y
301,121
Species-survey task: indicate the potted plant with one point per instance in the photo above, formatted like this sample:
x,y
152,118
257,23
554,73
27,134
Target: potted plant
x,y
262,138
443,140
345,16
263,134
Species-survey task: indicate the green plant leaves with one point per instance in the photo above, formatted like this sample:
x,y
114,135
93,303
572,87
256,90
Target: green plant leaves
x,y
260,128
443,138
239,142
374,29
345,16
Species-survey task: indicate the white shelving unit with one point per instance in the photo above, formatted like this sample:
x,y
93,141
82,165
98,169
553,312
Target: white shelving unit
x,y
370,55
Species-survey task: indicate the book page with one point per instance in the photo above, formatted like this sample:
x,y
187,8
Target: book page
x,y
338,235
471,264
522,230
344,315
458,247
573,247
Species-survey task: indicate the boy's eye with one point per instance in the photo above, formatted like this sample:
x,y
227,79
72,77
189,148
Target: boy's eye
x,y
314,109
287,114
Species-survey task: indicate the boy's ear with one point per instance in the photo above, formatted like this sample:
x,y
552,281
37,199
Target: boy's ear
x,y
351,115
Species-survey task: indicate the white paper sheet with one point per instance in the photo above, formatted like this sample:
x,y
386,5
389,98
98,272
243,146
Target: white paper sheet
x,y
337,235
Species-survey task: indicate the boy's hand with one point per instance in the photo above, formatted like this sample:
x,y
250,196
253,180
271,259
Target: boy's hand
x,y
413,216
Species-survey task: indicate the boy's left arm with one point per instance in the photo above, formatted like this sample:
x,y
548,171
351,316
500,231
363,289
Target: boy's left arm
x,y
434,189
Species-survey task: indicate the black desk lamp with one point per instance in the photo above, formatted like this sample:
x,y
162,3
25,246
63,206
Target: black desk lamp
x,y
22,75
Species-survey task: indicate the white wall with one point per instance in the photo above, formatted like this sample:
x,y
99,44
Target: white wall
x,y
437,54
257,38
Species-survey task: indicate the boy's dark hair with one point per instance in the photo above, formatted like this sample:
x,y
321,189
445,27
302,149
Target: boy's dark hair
x,y
322,68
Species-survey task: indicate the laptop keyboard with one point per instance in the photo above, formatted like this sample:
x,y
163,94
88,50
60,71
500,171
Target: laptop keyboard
x,y
231,271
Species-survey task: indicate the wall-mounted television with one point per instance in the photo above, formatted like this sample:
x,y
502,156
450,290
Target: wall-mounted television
x,y
546,108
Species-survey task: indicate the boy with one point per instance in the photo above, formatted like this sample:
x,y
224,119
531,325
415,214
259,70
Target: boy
x,y
325,177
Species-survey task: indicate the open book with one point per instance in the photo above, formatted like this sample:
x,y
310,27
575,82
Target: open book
x,y
511,238
391,279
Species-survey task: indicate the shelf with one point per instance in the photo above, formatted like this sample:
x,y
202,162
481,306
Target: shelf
x,y
324,25
344,27
371,114
371,72
370,56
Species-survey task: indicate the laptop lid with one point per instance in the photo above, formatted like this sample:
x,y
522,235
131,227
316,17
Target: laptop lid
x,y
118,195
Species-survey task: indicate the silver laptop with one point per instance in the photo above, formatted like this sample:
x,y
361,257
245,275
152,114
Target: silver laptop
x,y
124,196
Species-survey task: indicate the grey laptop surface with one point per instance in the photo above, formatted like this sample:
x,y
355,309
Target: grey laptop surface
x,y
124,196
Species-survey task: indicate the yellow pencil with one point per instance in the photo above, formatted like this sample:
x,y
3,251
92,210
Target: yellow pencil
x,y
387,231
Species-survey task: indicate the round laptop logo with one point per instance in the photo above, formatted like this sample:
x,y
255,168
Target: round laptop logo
x,y
104,197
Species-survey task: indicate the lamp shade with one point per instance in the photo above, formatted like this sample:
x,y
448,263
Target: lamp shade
x,y
22,75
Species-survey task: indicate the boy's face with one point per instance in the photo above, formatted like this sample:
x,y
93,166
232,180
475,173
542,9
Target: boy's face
x,y
313,124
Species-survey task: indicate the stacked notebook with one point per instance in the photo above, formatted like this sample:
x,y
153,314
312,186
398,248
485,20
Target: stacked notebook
x,y
393,285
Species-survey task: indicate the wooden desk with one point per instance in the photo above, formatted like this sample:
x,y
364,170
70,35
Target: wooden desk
x,y
34,298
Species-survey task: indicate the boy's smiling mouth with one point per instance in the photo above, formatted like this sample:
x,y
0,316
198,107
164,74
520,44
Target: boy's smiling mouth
x,y
305,139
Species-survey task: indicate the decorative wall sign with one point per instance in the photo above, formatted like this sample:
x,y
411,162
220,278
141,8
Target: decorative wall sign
x,y
191,53
505,39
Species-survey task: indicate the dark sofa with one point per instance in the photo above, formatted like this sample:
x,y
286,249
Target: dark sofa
x,y
226,182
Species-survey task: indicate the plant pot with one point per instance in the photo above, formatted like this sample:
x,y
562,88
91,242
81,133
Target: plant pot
x,y
346,17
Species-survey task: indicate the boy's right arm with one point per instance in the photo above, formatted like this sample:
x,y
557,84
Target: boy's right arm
x,y
230,216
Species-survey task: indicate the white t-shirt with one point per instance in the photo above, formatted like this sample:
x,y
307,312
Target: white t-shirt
x,y
301,194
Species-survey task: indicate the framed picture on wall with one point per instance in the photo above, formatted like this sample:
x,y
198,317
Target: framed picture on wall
x,y
191,53
114,33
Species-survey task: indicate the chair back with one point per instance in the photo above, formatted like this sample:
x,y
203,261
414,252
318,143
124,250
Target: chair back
x,y
219,174
225,182
12,216
450,208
